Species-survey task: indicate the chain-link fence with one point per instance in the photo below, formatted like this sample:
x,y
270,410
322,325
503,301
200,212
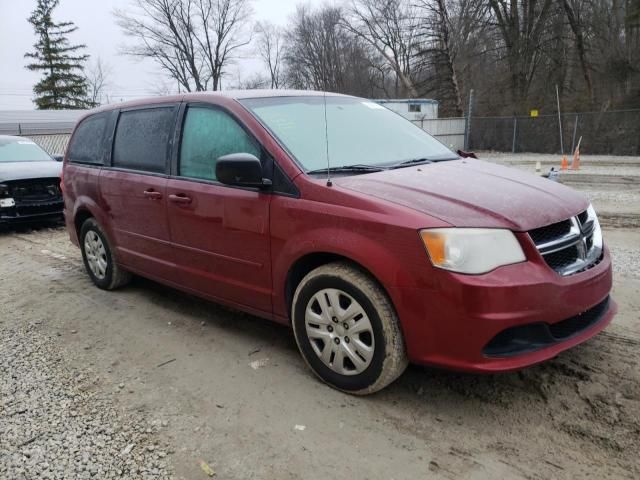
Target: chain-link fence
x,y
604,133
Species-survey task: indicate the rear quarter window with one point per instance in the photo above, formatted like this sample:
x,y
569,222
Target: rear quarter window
x,y
87,144
142,139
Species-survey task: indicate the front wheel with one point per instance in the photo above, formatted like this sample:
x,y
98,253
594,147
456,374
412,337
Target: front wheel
x,y
347,330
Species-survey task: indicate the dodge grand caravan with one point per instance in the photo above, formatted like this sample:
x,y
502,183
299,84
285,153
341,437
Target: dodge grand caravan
x,y
331,213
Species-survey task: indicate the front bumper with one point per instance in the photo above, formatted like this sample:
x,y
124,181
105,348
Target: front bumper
x,y
452,324
32,212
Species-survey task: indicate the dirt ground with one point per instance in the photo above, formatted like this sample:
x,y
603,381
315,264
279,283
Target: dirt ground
x,y
232,390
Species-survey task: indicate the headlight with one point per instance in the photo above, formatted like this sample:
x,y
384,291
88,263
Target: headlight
x,y
597,231
471,250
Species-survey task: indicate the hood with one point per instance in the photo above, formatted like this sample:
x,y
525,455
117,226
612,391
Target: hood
x,y
473,193
24,170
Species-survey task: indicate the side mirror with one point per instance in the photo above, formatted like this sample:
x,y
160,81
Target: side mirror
x,y
58,158
241,169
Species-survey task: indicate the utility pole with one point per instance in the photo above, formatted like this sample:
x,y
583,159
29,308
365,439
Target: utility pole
x,y
467,124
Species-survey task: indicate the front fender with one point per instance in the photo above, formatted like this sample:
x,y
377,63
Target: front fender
x,y
379,257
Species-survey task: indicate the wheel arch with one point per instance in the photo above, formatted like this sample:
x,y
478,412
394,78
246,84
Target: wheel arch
x,y
312,260
81,216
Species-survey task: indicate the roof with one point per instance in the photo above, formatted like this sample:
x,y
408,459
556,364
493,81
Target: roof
x,y
406,100
243,94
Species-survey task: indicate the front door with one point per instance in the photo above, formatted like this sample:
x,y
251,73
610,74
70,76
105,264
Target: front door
x,y
133,189
220,233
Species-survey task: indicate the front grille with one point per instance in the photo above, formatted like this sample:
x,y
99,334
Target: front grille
x,y
34,198
583,217
534,336
39,209
568,246
35,190
562,258
550,232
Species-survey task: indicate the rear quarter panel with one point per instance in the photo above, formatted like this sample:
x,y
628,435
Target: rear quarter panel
x,y
82,194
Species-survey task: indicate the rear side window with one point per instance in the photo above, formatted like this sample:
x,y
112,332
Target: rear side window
x,y
208,134
87,144
142,139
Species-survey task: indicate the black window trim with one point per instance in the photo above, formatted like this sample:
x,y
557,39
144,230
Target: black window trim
x,y
265,155
170,144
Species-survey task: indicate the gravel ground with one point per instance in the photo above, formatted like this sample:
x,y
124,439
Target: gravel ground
x,y
201,382
56,422
146,382
626,261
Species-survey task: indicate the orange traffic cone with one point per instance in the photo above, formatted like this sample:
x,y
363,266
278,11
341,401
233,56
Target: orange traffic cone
x,y
565,163
575,165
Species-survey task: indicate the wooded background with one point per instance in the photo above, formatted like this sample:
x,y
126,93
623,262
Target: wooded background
x,y
512,53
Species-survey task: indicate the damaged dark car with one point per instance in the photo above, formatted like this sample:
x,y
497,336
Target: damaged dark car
x,y
29,182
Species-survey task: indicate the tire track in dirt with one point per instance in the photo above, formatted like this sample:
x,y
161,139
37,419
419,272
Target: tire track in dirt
x,y
576,415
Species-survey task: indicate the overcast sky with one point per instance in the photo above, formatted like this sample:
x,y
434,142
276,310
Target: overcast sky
x,y
98,30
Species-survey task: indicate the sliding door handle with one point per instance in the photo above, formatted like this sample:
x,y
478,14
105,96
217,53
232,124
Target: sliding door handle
x,y
180,198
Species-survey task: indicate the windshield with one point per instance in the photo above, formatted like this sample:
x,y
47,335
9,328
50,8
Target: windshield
x,y
360,132
21,150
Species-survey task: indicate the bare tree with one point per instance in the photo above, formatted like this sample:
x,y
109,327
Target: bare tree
x,y
97,75
222,32
436,56
390,27
252,82
522,25
573,10
270,40
321,54
193,41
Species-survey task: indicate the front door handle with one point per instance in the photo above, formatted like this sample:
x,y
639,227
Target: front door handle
x,y
152,194
180,198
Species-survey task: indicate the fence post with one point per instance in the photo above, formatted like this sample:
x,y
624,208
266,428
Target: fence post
x,y
19,129
575,131
467,124
515,130
560,121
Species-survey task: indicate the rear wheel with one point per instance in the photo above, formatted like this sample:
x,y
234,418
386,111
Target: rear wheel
x,y
98,258
347,329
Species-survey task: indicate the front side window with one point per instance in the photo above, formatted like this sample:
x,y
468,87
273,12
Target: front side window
x,y
356,131
14,149
415,107
208,134
87,143
142,139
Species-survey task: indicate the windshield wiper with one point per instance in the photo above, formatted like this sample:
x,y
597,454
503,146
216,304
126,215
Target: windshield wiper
x,y
348,168
421,160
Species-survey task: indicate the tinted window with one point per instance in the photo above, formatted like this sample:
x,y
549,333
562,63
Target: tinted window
x,y
87,145
208,134
142,139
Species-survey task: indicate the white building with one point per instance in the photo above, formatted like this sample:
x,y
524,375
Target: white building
x,y
414,109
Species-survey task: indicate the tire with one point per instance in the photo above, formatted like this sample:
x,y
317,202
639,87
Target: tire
x,y
369,352
108,275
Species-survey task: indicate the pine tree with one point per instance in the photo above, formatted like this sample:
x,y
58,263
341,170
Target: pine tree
x,y
63,85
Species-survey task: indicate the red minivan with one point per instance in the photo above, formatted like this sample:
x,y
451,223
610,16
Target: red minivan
x,y
339,217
